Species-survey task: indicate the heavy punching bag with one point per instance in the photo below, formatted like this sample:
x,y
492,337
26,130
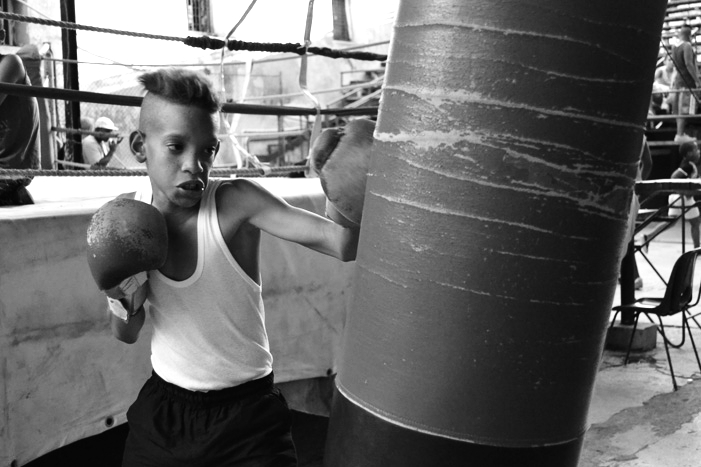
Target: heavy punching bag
x,y
495,212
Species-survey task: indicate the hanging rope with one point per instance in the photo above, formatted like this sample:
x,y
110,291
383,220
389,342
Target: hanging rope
x,y
68,25
205,42
243,157
316,128
221,64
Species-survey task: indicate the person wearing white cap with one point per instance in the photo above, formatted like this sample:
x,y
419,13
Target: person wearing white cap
x,y
98,149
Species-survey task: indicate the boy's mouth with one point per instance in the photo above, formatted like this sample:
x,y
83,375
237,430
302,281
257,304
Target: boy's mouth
x,y
192,185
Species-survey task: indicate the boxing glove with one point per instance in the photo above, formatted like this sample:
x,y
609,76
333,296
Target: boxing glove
x,y
341,157
125,238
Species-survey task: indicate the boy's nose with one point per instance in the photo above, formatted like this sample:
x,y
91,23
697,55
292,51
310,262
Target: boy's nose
x,y
192,164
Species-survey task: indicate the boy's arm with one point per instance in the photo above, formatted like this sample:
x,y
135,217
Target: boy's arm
x,y
275,216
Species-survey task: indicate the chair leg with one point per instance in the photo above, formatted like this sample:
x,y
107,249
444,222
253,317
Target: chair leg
x,y
669,358
613,321
632,336
685,322
683,339
695,320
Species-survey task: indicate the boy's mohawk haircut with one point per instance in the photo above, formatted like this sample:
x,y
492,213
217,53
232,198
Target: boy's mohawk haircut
x,y
182,87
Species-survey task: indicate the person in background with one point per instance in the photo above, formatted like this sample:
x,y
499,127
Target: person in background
x,y
687,169
86,124
644,169
661,99
20,146
689,151
686,78
99,149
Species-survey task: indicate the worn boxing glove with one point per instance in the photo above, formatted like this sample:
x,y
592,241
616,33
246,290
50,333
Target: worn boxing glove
x,y
126,238
341,157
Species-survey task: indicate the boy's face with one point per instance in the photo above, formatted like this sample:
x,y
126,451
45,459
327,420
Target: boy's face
x,y
179,146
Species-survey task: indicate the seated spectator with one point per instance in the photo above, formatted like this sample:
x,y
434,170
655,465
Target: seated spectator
x,y
19,132
661,99
99,149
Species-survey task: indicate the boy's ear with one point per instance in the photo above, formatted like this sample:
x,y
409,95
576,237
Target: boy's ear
x,y
136,144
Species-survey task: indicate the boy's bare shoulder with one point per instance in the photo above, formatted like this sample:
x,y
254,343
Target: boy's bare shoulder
x,y
239,188
239,194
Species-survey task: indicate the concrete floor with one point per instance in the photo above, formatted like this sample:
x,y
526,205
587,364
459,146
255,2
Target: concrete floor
x,y
637,420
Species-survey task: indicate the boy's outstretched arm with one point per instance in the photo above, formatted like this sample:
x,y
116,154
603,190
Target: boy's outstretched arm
x,y
275,216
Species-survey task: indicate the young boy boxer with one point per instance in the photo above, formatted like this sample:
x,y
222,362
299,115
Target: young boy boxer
x,y
211,399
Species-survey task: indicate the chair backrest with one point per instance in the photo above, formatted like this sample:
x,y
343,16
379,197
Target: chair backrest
x,y
680,286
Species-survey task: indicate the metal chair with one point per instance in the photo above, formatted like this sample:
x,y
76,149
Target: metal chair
x,y
677,299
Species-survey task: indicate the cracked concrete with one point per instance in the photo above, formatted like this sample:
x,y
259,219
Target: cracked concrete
x,y
637,419
648,424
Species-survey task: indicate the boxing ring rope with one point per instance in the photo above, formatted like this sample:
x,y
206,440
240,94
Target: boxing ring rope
x,y
135,101
73,131
112,172
258,169
206,42
160,65
246,134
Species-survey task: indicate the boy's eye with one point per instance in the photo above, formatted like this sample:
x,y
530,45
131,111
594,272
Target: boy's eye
x,y
213,150
175,147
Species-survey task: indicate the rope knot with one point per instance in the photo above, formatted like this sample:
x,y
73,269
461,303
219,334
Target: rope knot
x,y
204,42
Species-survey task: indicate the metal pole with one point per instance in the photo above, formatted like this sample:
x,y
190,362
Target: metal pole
x,y
73,152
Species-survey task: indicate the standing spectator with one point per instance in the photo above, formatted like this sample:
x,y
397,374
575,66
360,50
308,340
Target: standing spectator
x,y
19,132
99,149
687,78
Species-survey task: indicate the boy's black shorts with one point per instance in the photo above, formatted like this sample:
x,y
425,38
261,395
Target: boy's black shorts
x,y
247,425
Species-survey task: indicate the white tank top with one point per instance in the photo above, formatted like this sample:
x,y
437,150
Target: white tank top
x,y
209,330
